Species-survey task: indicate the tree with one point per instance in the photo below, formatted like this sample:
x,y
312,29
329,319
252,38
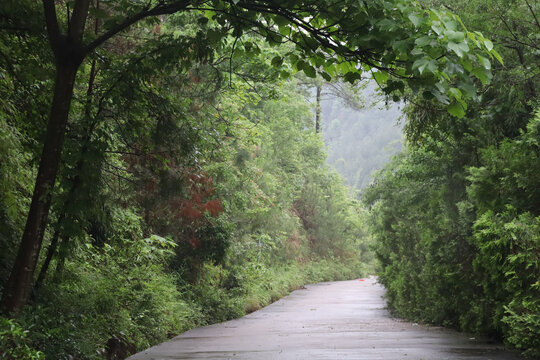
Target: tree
x,y
349,94
457,213
398,41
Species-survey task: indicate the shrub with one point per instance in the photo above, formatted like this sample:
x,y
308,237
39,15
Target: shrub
x,y
14,344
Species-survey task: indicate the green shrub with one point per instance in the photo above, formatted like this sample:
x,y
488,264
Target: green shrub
x,y
14,344
510,268
115,294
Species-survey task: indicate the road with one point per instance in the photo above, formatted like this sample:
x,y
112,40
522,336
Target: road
x,y
336,320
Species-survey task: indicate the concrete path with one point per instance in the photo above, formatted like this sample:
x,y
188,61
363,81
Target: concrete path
x,y
337,320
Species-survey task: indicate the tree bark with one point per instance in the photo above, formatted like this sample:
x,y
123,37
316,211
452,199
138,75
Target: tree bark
x,y
19,284
318,110
51,251
69,55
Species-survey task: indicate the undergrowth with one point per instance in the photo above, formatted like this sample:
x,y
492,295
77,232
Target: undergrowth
x,y
92,316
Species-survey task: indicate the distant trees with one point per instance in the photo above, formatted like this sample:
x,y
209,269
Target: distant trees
x,y
361,141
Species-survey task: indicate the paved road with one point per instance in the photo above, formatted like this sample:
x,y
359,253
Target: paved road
x,y
337,320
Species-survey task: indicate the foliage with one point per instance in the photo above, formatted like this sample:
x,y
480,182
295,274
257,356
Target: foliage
x,y
506,235
180,181
509,267
175,203
111,301
455,217
13,189
13,342
463,258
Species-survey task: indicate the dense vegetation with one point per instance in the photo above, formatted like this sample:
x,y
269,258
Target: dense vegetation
x,y
248,213
456,216
160,168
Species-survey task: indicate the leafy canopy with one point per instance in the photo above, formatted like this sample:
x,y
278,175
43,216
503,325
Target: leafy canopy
x,y
397,42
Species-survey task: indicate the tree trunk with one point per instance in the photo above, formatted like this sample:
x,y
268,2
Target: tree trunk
x,y
318,110
51,251
20,281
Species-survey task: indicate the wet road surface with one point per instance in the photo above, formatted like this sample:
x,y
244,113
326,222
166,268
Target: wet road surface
x,y
336,320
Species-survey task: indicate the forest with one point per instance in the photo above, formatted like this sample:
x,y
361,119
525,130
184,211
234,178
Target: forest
x,y
163,165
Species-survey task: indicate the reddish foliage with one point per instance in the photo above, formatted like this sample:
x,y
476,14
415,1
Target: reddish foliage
x,y
201,188
214,207
187,210
189,213
194,242
191,210
197,198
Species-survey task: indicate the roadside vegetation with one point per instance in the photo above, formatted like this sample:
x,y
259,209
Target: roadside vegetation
x,y
456,215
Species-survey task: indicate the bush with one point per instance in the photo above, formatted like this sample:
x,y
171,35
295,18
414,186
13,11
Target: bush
x,y
510,268
112,301
14,344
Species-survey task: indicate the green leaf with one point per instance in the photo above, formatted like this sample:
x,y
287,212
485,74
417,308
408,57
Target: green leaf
x,y
344,67
301,64
482,74
456,93
394,85
98,13
319,61
468,89
424,64
420,64
380,76
280,20
401,46
311,43
450,24
284,30
209,14
277,61
326,76
488,44
428,95
438,29
310,71
497,56
456,109
423,41
352,76
455,36
387,24
467,65
455,48
415,19
203,20
214,35
485,62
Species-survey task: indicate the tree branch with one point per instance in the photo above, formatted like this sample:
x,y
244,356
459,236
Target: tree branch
x,y
78,20
52,23
533,14
160,9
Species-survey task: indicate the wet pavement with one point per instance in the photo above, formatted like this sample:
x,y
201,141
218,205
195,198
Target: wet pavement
x,y
335,320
